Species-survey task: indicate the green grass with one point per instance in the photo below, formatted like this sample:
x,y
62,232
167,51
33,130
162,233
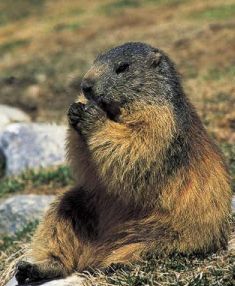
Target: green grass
x,y
217,73
11,247
119,5
11,185
215,108
189,71
165,2
14,10
217,98
8,47
219,13
60,177
72,25
67,27
177,270
22,235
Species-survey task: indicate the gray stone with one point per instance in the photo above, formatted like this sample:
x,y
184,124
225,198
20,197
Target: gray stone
x,y
10,114
16,212
32,145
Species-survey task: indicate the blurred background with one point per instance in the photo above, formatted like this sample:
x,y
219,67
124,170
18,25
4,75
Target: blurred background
x,y
46,46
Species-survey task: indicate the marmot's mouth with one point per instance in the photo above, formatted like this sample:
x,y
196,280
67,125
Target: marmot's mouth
x,y
112,109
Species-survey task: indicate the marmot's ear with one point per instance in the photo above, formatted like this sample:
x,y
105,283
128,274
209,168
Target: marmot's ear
x,y
154,59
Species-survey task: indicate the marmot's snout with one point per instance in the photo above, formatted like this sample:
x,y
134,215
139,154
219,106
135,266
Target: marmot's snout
x,y
87,87
89,90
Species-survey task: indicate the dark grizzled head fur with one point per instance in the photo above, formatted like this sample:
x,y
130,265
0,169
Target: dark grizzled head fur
x,y
130,72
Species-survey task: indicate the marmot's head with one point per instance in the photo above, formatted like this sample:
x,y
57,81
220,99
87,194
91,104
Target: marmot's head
x,y
127,73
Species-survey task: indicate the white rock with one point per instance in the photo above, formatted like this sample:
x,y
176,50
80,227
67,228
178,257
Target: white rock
x,y
73,280
70,281
12,282
17,211
11,114
32,145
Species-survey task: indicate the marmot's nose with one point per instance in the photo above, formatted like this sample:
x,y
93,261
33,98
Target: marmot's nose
x,y
87,86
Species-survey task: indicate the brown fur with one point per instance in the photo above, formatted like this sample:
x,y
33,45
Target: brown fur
x,y
130,199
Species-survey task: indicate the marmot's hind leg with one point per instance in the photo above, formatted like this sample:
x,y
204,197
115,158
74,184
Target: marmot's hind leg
x,y
56,245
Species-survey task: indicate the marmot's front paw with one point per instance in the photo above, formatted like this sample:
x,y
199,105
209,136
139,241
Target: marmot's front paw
x,y
27,272
84,117
75,113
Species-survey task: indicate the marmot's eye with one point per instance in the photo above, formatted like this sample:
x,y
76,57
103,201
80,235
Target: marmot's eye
x,y
122,68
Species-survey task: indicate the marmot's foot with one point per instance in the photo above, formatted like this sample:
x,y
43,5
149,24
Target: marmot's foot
x,y
27,272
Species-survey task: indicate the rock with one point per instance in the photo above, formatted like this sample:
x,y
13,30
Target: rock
x,y
10,115
16,212
32,145
12,282
73,280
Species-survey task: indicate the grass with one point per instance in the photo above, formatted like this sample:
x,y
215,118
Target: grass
x,y
178,270
67,27
119,5
113,6
14,10
218,13
8,47
220,73
13,248
52,179
8,242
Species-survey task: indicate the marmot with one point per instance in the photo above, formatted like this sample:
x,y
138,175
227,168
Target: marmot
x,y
148,177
